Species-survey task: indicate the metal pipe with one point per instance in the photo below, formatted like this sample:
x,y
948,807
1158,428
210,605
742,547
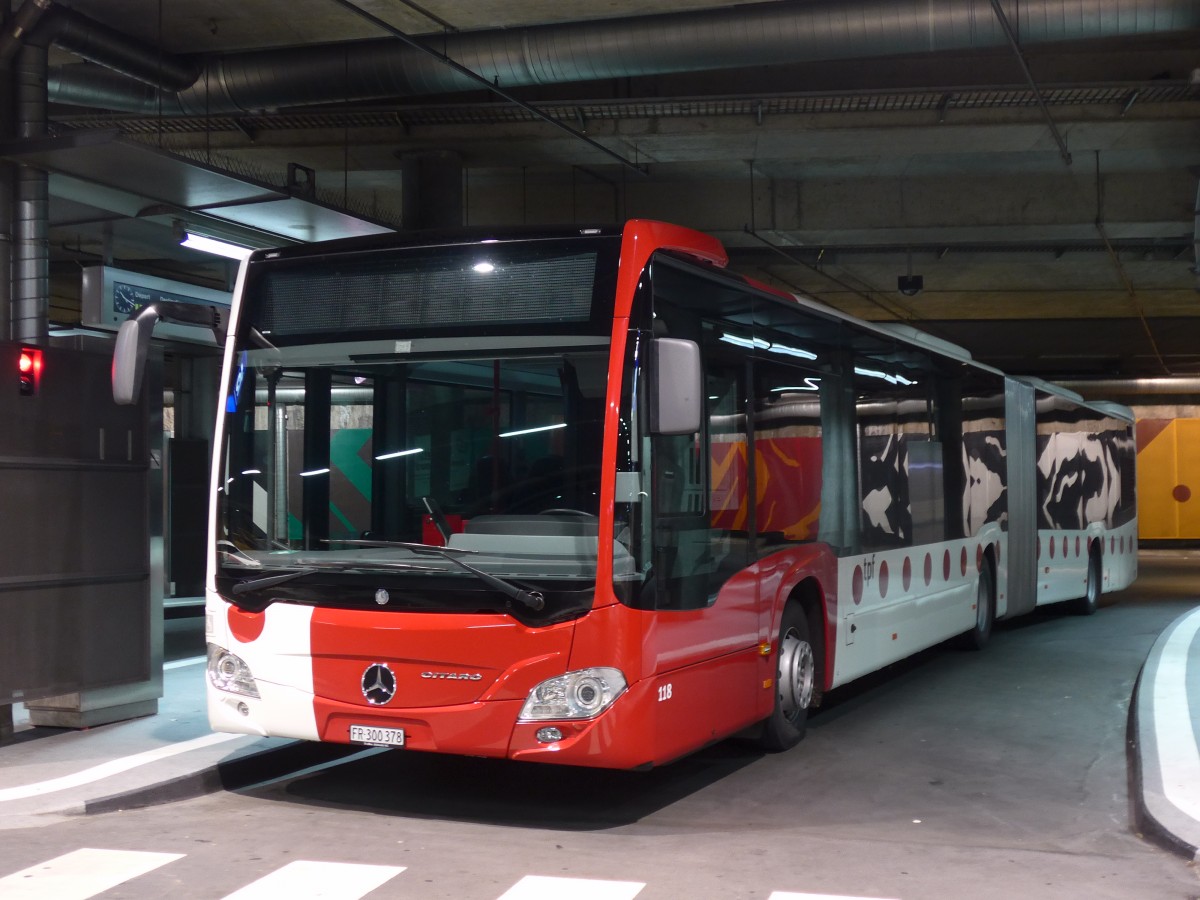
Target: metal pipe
x,y
1109,388
96,42
727,37
31,257
17,29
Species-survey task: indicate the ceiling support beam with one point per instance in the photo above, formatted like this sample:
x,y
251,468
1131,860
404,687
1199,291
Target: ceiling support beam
x,y
1016,48
1196,240
495,88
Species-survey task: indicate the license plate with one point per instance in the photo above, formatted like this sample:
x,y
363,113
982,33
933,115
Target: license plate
x,y
378,737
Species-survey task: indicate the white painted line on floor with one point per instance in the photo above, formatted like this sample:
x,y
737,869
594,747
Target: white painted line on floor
x,y
81,874
180,663
1178,757
304,879
539,887
112,767
791,895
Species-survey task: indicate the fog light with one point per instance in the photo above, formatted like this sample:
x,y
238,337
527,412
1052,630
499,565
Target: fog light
x,y
549,735
243,709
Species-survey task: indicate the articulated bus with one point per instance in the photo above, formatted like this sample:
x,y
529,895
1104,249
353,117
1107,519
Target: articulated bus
x,y
587,497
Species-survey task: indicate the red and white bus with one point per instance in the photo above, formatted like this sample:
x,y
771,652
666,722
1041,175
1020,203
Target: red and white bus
x,y
587,497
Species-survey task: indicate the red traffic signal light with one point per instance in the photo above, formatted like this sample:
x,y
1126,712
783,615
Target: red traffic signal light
x,y
29,369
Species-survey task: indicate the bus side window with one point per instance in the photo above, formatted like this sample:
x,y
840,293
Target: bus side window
x,y
901,472
787,453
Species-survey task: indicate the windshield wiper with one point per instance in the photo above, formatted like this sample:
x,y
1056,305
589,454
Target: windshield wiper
x,y
533,599
271,580
333,566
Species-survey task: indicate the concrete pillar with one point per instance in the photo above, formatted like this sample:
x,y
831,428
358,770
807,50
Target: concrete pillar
x,y
432,190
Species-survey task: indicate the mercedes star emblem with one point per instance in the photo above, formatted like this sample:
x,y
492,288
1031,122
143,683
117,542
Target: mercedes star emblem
x,y
382,597
378,684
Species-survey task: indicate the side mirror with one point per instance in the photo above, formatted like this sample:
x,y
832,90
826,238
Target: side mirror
x,y
133,342
129,356
676,403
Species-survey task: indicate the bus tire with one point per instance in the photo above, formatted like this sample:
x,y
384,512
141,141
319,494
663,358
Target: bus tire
x,y
795,682
985,610
1090,601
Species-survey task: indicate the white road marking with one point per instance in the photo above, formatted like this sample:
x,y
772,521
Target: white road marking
x,y
305,879
1173,733
81,874
112,767
539,887
85,873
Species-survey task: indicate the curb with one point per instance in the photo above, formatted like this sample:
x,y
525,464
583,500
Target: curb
x,y
1155,816
232,775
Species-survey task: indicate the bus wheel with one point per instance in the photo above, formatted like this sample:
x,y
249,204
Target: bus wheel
x,y
985,610
1090,601
795,682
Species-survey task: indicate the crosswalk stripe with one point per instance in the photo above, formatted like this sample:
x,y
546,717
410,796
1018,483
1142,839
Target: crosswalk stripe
x,y
307,880
538,887
81,874
791,895
84,873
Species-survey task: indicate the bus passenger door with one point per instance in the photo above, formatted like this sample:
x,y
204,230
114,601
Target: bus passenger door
x,y
706,621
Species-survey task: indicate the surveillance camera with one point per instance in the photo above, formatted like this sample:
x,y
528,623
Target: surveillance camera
x,y
910,285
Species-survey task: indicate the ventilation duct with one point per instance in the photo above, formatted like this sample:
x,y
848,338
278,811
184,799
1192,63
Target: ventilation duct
x,y
729,37
31,248
106,47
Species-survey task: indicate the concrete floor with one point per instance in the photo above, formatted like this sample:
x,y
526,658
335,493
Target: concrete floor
x,y
986,775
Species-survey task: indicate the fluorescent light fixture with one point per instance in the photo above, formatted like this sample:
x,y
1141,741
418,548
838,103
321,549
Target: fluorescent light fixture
x,y
212,245
759,344
401,453
810,384
251,471
483,268
890,379
314,472
534,430
748,343
792,351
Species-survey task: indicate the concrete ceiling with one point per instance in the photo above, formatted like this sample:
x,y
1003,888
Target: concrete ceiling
x,y
831,178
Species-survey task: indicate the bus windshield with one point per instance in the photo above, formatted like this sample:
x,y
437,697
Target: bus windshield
x,y
351,449
332,465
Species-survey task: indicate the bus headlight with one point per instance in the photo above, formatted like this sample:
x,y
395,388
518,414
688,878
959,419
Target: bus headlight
x,y
577,695
229,672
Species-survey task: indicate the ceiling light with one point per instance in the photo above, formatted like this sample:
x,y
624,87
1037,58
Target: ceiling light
x,y
399,453
507,434
212,245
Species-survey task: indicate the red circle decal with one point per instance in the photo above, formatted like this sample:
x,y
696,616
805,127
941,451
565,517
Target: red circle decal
x,y
856,585
246,626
